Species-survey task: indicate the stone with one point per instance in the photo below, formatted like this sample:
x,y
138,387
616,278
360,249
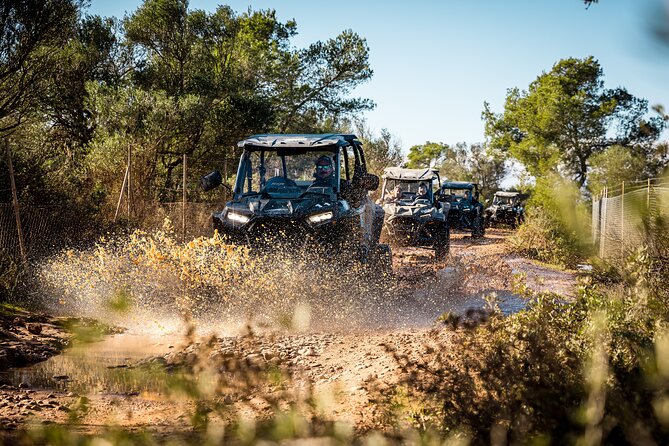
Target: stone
x,y
34,328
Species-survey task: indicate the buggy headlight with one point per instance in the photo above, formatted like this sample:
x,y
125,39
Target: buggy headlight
x,y
320,218
238,218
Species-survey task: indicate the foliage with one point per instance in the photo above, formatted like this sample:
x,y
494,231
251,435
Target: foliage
x,y
476,163
381,151
613,166
10,272
30,33
588,371
566,116
430,154
555,228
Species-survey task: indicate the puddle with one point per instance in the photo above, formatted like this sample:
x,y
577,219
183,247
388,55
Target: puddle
x,y
98,367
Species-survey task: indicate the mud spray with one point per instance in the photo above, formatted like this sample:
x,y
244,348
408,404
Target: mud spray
x,y
152,282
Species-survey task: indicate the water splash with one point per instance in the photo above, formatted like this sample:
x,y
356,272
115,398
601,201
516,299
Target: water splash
x,y
151,281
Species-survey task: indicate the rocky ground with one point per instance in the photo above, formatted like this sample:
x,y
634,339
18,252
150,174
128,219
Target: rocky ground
x,y
345,371
27,338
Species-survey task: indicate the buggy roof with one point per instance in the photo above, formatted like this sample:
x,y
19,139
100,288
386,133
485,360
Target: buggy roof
x,y
506,194
296,141
398,173
458,185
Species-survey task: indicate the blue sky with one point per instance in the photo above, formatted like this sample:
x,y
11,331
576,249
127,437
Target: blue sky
x,y
436,62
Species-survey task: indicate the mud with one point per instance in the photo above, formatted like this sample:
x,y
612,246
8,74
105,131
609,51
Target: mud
x,y
345,363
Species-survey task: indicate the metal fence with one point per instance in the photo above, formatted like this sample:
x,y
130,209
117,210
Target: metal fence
x,y
44,228
629,215
49,228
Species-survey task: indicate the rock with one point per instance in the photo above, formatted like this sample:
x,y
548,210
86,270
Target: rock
x,y
34,328
24,385
61,377
71,394
255,359
309,351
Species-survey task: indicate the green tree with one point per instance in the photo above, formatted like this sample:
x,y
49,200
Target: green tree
x,y
476,163
319,84
31,32
430,154
381,151
613,166
93,53
566,116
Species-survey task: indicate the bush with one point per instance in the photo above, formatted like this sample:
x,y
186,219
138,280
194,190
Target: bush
x,y
591,371
556,228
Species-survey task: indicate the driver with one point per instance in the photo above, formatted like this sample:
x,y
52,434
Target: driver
x,y
421,193
324,172
467,199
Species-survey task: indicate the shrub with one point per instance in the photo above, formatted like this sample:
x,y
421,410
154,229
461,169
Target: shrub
x,y
556,228
590,371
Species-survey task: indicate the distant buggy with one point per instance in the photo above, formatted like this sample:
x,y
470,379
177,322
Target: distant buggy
x,y
466,212
506,209
412,217
294,191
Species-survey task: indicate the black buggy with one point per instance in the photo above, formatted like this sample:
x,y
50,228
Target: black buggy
x,y
506,209
412,217
466,212
296,191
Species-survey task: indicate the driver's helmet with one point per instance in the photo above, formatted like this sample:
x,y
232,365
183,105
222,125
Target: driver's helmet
x,y
324,167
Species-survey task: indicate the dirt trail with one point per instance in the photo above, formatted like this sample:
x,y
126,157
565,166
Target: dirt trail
x,y
348,368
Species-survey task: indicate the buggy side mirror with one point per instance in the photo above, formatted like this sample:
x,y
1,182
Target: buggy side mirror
x,y
211,181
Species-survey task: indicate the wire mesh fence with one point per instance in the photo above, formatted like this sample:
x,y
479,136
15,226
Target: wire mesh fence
x,y
629,215
47,229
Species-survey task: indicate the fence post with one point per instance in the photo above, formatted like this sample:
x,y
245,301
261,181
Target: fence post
x,y
183,205
129,197
622,220
120,196
604,217
15,202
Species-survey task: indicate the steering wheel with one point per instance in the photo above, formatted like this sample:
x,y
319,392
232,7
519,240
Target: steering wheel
x,y
279,182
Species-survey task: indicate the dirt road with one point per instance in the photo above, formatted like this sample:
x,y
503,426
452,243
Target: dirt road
x,y
345,368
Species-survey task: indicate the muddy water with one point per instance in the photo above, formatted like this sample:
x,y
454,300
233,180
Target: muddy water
x,y
98,367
